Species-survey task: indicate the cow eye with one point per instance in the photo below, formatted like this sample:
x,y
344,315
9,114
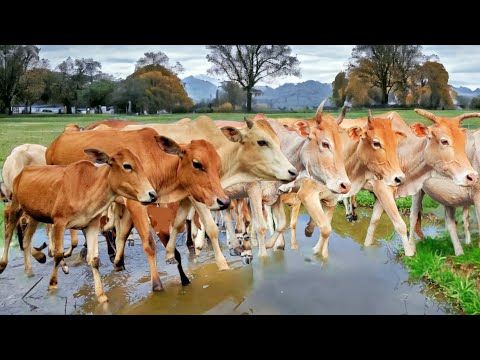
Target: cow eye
x,y
444,142
376,144
127,166
325,145
262,143
198,165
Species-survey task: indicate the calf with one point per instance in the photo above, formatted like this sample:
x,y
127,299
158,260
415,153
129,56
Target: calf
x,y
74,197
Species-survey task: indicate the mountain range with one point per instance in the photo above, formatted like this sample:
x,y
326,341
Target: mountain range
x,y
464,91
287,96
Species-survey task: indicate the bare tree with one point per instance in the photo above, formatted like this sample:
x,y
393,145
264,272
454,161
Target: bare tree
x,y
248,64
158,58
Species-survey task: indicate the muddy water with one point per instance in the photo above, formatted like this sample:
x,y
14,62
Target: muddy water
x,y
354,280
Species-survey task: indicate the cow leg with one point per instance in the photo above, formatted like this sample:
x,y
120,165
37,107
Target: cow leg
x,y
348,208
415,213
281,221
452,229
200,238
293,223
311,200
27,245
188,223
353,201
110,238
387,200
375,218
182,213
74,243
91,235
270,221
466,224
234,246
256,205
212,232
310,227
12,214
139,215
476,202
123,227
58,234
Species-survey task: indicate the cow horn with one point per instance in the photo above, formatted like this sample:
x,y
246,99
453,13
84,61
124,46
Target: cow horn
x,y
249,122
462,117
426,114
342,115
320,107
369,116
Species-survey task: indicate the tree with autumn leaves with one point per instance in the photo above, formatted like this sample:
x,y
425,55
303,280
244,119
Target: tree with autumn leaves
x,y
378,74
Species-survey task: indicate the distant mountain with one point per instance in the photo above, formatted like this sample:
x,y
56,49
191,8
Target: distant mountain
x,y
293,96
464,91
199,90
214,81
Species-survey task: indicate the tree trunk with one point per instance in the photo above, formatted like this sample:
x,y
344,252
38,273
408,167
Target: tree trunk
x,y
8,104
69,108
249,100
384,95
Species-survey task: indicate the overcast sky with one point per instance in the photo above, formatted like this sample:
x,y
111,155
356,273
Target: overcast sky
x,y
317,62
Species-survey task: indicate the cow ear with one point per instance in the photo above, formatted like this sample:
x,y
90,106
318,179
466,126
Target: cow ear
x,y
98,156
355,133
302,128
232,134
420,130
169,146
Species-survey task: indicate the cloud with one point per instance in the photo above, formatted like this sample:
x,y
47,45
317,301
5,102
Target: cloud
x,y
317,62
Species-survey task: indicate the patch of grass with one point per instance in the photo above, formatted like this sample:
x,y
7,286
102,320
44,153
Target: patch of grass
x,y
367,199
436,262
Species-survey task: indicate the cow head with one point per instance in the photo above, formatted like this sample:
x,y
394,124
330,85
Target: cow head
x,y
199,171
126,177
261,154
323,153
445,150
378,149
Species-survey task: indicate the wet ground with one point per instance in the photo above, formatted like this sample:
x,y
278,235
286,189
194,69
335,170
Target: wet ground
x,y
354,280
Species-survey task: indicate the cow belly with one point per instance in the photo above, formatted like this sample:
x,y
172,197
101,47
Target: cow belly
x,y
447,193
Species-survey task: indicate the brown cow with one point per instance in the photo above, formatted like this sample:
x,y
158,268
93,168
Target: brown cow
x,y
74,197
111,123
193,172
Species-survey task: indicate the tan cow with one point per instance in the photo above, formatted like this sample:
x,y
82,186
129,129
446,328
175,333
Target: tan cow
x,y
450,195
74,197
439,148
248,154
369,153
193,171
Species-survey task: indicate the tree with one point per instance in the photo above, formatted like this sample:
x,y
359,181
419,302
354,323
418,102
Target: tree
x,y
385,66
73,76
339,87
432,85
152,88
160,59
233,94
32,86
97,93
357,92
15,60
475,103
464,101
249,64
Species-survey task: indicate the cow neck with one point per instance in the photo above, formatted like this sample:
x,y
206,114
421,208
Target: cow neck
x,y
167,180
102,195
411,157
291,144
354,166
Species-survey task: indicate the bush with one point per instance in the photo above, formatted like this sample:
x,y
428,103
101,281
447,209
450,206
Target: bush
x,y
180,109
204,110
224,108
475,103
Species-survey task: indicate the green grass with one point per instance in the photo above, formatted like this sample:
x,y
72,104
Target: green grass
x,y
365,198
456,277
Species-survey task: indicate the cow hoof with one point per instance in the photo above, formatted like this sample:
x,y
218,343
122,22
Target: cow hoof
x,y
280,247
171,261
50,253
247,259
112,258
83,253
44,245
65,269
349,218
185,282
157,287
308,233
3,265
118,267
41,258
354,217
131,243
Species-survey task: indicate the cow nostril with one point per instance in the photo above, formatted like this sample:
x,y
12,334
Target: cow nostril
x,y
292,172
398,180
469,177
343,186
153,195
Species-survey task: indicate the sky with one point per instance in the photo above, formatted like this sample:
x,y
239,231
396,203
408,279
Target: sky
x,y
317,62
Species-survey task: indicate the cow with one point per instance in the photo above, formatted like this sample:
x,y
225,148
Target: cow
x,y
193,170
74,197
110,124
248,154
437,149
450,195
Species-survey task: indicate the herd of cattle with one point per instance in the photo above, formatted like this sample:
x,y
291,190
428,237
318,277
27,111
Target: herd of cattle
x,y
114,175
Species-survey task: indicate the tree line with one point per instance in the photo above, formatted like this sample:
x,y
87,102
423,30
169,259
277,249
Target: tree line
x,y
375,75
